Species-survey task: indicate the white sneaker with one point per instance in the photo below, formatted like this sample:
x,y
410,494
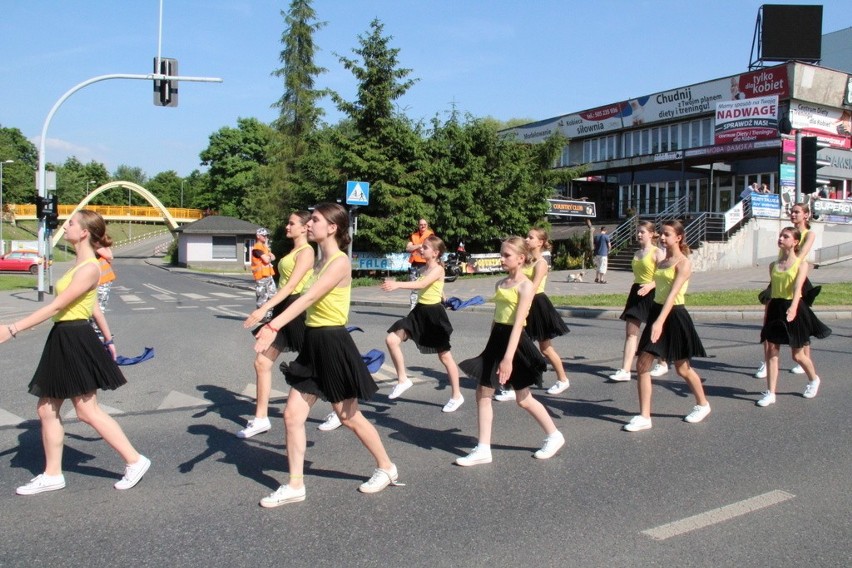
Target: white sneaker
x,y
811,389
283,495
660,369
638,423
620,375
504,395
133,473
797,370
698,413
255,426
332,422
559,387
400,388
767,399
761,371
477,455
41,483
551,445
381,478
453,404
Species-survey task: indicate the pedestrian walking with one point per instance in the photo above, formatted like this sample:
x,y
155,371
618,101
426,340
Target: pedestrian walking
x,y
262,270
329,365
670,333
294,270
544,324
510,358
800,217
788,318
603,244
427,324
75,363
641,296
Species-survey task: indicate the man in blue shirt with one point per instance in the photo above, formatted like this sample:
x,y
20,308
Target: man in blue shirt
x,y
602,248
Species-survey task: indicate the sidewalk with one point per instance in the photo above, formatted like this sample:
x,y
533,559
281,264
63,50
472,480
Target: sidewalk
x,y
618,282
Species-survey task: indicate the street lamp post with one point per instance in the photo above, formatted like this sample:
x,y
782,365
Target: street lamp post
x,y
2,242
87,185
181,192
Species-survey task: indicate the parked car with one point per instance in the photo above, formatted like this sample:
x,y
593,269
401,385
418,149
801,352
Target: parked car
x,y
20,261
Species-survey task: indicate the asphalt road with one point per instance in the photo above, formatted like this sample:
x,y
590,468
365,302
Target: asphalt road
x,y
748,487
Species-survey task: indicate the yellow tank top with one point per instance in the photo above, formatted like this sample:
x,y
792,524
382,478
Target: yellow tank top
x,y
82,307
663,279
506,305
643,268
286,266
529,271
782,281
333,308
431,294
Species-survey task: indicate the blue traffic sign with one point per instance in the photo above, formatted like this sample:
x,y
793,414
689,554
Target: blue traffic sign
x,y
357,193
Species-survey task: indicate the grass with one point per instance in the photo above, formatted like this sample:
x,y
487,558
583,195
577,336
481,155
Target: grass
x,y
22,281
837,294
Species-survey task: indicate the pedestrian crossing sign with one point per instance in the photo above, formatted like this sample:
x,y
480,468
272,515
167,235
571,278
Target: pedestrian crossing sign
x,y
357,193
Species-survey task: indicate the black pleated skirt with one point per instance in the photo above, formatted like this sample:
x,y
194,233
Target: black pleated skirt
x,y
543,321
428,326
290,337
797,333
330,367
679,339
73,363
638,307
528,364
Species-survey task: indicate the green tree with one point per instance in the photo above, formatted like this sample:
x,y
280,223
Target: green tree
x,y
19,176
235,157
166,187
73,179
299,112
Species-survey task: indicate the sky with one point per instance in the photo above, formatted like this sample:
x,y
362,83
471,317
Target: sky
x,y
506,59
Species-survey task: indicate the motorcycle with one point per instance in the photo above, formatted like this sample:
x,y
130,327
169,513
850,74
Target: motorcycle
x,y
453,265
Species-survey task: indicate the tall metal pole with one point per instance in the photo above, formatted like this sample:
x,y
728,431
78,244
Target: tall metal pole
x,y
797,196
2,242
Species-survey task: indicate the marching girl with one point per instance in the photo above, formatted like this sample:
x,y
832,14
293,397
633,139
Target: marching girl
x,y
427,324
641,296
670,333
800,215
75,363
510,358
543,322
789,319
328,365
294,269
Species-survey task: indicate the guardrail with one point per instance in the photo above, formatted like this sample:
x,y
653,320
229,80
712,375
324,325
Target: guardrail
x,y
112,212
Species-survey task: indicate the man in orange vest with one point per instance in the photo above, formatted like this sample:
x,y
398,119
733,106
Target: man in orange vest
x,y
262,270
416,262
105,257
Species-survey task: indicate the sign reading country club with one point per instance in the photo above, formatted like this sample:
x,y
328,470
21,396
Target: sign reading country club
x,y
746,120
357,193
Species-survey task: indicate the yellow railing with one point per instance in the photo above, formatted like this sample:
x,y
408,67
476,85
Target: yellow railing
x,y
112,211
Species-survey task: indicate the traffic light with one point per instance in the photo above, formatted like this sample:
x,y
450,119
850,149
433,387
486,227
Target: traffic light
x,y
47,208
810,163
166,91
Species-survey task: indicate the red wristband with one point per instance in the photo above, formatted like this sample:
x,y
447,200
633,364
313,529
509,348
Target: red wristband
x,y
272,328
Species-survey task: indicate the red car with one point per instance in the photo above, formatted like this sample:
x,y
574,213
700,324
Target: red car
x,y
20,261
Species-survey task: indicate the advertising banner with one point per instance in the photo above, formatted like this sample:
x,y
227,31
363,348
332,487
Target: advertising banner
x,y
569,208
766,205
829,124
746,120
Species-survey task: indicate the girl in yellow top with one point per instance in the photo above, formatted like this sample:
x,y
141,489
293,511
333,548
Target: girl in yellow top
x,y
427,324
294,270
75,363
510,358
670,333
641,296
544,324
789,319
329,365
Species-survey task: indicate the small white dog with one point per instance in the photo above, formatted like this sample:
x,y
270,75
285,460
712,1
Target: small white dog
x,y
576,277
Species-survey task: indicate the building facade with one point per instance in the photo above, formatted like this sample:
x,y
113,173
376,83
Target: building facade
x,y
706,143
